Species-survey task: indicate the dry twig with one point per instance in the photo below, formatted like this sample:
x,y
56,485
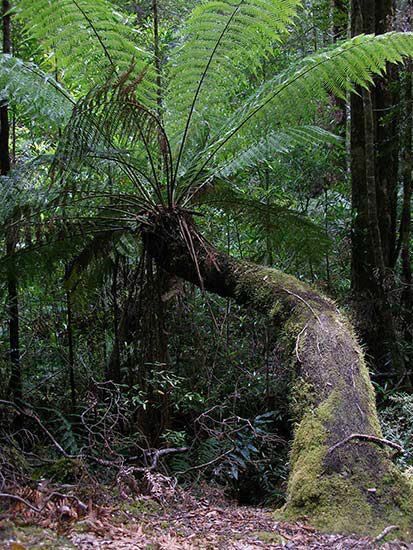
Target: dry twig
x,y
370,438
385,532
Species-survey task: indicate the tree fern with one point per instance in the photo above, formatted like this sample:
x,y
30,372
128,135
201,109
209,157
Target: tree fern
x,y
215,125
108,124
87,40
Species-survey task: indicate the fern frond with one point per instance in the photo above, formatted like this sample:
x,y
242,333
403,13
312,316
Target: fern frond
x,y
95,260
86,41
295,96
274,144
115,135
229,39
36,94
285,226
98,248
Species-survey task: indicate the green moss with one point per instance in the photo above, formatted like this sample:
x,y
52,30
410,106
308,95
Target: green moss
x,y
276,310
139,507
333,504
341,502
269,537
264,288
303,397
396,494
364,379
309,449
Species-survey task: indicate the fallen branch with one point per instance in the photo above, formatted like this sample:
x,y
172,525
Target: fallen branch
x,y
80,504
156,455
370,438
385,532
22,500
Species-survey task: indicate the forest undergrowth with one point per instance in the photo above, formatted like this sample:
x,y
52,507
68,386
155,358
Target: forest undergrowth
x,y
163,516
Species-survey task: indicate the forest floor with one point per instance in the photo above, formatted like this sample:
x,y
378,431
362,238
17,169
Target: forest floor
x,y
188,523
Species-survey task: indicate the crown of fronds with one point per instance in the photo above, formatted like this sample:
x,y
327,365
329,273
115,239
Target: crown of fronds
x,y
215,130
110,125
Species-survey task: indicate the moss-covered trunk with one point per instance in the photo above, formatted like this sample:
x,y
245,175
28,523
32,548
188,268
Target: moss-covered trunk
x,y
354,487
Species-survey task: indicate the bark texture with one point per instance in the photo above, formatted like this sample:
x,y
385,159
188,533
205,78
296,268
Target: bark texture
x,y
374,169
356,487
15,382
406,216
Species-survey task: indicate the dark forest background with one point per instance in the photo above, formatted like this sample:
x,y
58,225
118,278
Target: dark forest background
x,y
105,355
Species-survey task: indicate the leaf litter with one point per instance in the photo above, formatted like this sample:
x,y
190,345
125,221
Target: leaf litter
x,y
184,520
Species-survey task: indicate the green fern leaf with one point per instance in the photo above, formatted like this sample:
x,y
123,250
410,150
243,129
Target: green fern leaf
x,y
86,41
230,40
286,227
272,145
294,97
37,95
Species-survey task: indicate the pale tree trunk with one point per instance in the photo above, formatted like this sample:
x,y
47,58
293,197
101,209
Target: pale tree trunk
x,y
354,487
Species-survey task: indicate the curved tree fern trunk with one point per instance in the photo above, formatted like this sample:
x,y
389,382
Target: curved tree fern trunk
x,y
354,487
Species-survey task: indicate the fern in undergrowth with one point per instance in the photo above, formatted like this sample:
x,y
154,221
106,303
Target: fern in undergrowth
x,y
86,41
96,258
281,224
397,423
37,96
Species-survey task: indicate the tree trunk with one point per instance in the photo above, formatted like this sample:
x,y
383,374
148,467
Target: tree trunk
x,y
362,261
15,382
355,487
406,219
340,12
374,170
386,100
